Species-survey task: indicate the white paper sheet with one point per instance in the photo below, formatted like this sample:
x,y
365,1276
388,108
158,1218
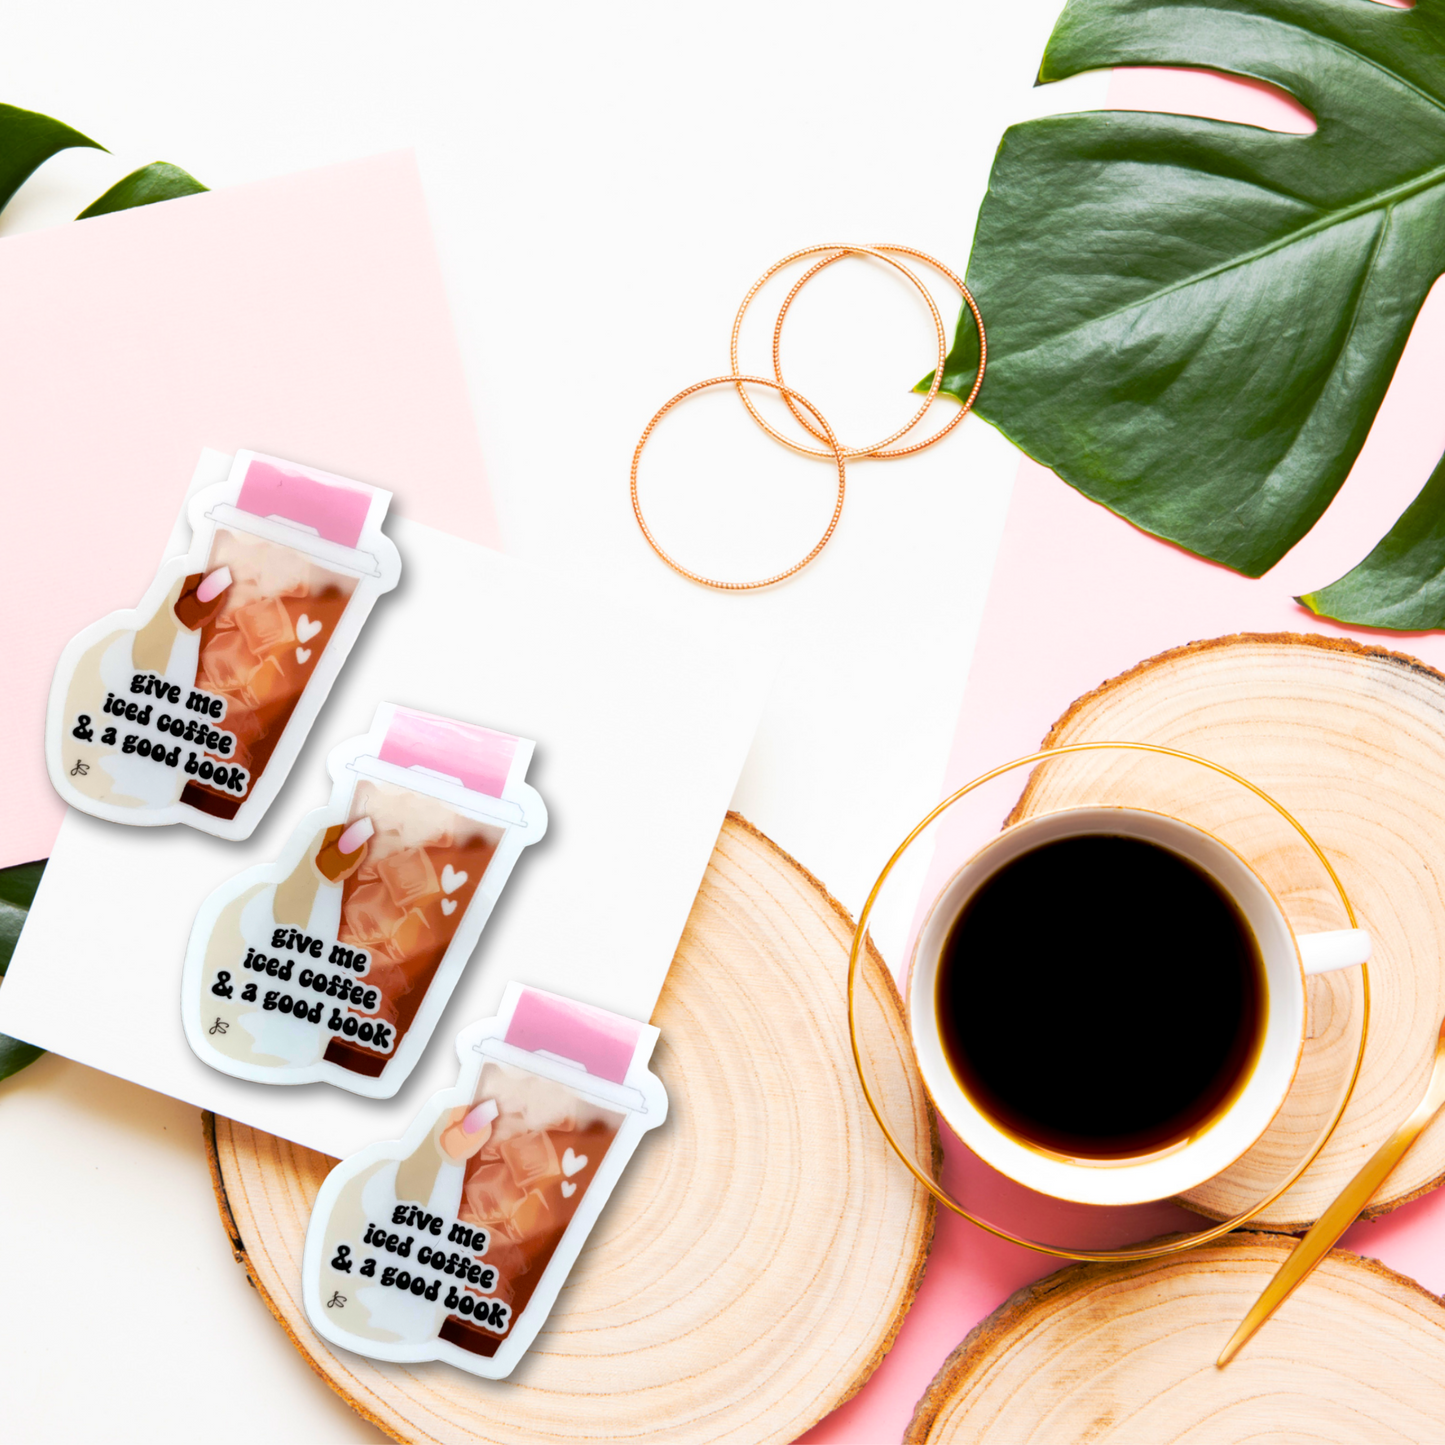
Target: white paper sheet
x,y
642,723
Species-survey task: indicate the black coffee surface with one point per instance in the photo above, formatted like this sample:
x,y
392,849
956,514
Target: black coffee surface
x,y
1101,997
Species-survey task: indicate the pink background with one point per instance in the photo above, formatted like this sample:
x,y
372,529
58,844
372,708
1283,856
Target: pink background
x,y
1077,597
330,343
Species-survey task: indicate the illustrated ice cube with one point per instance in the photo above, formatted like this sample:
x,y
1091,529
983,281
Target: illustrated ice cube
x,y
265,623
267,683
531,1217
371,917
490,1195
411,936
508,1260
389,978
531,1158
410,877
282,572
228,664
240,719
241,593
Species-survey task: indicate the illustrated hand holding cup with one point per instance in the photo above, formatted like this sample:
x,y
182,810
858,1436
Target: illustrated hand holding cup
x,y
343,849
468,1131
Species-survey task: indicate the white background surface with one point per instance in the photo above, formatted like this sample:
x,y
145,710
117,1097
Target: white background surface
x,y
605,183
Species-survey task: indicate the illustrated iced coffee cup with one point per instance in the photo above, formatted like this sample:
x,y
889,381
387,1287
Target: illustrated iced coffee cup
x,y
336,961
453,1242
192,707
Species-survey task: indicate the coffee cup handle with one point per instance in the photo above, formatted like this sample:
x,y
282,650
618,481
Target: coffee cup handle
x,y
1326,952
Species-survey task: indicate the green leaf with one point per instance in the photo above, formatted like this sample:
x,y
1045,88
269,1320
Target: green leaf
x,y
15,1055
961,365
159,181
17,892
26,140
1401,584
1194,322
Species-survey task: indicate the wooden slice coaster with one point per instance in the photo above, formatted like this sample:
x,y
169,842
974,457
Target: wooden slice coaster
x,y
1352,741
1123,1354
756,1261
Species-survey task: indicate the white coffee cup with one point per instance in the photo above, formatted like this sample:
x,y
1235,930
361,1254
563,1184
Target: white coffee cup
x,y
1287,959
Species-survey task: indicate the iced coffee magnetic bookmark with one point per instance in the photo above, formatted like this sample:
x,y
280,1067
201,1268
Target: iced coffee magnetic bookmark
x,y
335,961
192,707
452,1242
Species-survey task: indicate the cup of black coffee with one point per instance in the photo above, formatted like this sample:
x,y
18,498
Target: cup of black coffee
x,y
1108,1004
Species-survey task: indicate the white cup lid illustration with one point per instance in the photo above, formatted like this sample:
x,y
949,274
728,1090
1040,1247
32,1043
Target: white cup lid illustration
x,y
477,768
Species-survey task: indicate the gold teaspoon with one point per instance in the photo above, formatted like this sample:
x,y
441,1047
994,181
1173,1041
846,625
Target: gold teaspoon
x,y
1344,1211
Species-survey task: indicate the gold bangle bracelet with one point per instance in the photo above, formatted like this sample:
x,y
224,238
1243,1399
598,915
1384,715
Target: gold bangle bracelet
x,y
739,382
839,250
882,451
833,251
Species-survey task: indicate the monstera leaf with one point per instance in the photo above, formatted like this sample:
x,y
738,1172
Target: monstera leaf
x,y
159,181
17,890
1194,322
27,140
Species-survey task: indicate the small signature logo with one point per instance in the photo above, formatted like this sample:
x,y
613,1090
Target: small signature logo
x,y
219,1027
337,1300
80,769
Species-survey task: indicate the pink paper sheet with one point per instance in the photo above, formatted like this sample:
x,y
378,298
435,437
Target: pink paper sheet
x,y
1079,596
302,316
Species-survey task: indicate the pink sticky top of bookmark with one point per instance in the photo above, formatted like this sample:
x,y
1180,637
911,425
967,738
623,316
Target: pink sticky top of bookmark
x,y
480,757
337,513
603,1043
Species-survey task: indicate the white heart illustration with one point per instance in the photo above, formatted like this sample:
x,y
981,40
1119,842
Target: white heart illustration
x,y
451,879
303,655
449,906
306,629
573,1164
568,1190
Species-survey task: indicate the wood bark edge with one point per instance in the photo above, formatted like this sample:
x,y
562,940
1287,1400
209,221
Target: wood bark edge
x,y
1207,644
955,1372
238,1251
